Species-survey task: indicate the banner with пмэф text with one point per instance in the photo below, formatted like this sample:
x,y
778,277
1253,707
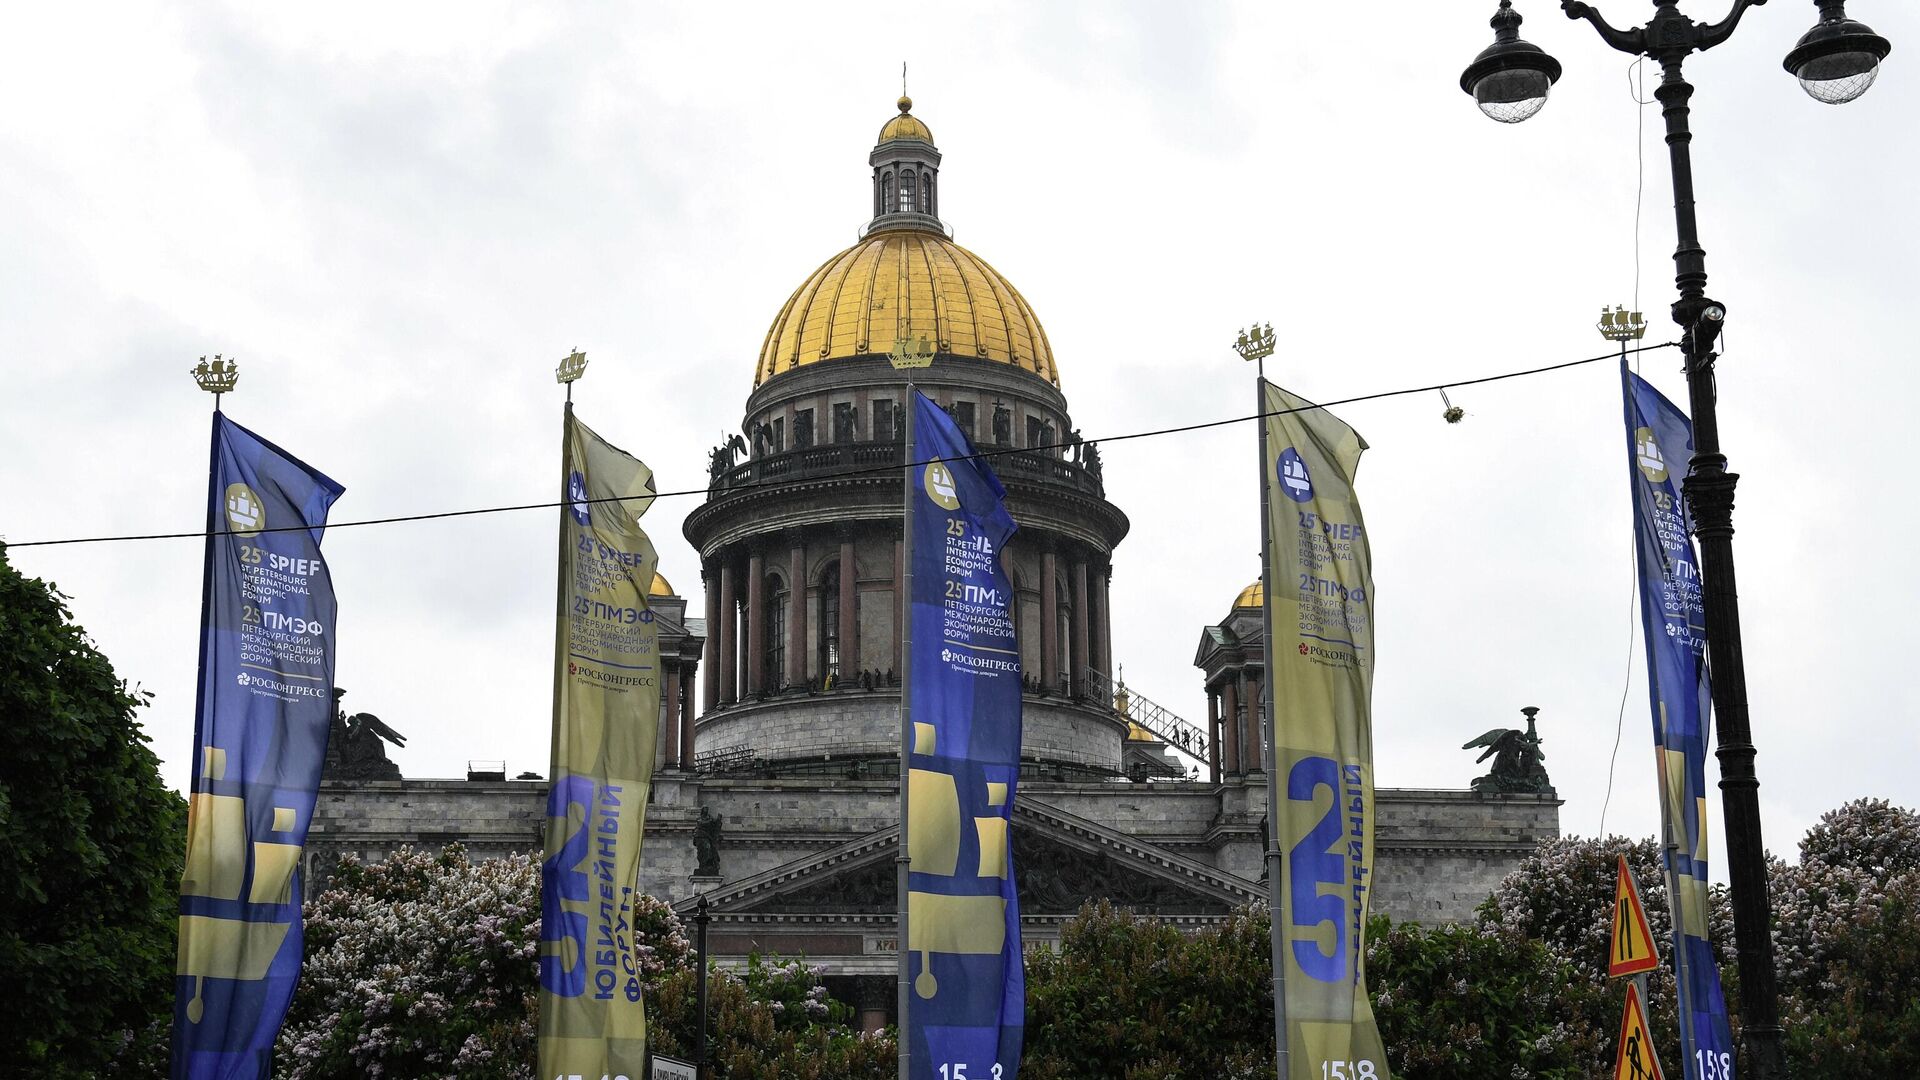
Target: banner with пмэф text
x,y
259,740
1320,658
606,716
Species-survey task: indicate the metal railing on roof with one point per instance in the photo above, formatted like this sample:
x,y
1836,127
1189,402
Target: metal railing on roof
x,y
1187,738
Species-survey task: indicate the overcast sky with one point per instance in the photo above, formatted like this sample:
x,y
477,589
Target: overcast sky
x,y
400,217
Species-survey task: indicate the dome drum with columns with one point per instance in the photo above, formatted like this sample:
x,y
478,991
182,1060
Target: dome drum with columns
x,y
800,536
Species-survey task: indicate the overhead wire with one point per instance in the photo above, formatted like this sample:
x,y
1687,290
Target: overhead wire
x,y
1635,89
870,470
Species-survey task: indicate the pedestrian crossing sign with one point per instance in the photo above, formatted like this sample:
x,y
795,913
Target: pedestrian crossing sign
x,y
1631,950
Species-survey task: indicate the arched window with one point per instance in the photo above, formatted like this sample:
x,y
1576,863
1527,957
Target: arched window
x,y
830,623
774,674
879,205
906,191
926,194
886,192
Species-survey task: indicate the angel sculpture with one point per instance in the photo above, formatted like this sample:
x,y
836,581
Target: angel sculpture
x,y
355,749
1519,765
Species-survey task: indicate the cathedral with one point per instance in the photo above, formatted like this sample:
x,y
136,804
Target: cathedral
x,y
775,794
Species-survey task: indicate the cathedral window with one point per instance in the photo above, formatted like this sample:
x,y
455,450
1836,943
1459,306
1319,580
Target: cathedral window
x,y
802,428
779,434
830,622
883,420
776,661
906,191
963,417
926,193
886,192
846,422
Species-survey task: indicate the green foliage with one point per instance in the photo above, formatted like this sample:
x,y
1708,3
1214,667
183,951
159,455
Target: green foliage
x,y
91,848
425,965
1847,938
422,965
1458,1001
1128,996
775,1022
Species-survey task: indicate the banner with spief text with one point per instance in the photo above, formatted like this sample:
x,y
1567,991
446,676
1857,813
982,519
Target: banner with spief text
x,y
260,737
1659,444
606,717
1320,658
966,1013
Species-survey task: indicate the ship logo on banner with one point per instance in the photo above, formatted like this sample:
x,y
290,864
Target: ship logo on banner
x,y
1294,478
966,1018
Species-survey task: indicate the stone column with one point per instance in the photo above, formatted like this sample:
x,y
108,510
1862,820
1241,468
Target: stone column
x,y
1213,737
900,607
1253,751
1079,661
797,613
687,760
729,630
1230,722
670,697
756,623
1049,622
849,611
710,687
1102,649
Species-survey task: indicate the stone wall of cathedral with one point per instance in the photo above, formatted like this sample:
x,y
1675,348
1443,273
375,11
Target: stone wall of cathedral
x,y
1439,853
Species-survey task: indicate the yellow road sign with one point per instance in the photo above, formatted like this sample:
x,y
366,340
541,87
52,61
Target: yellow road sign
x,y
1631,950
1636,1059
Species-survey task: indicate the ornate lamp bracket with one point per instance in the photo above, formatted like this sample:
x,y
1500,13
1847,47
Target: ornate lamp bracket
x,y
1627,41
1722,30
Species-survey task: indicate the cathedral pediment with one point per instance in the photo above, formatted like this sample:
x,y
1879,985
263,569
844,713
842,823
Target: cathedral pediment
x,y
1061,862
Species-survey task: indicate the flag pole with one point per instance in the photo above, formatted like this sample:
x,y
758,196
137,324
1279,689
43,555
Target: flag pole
x,y
1256,344
903,858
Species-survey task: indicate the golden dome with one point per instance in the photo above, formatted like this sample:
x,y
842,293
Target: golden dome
x,y
1136,733
905,283
661,586
1252,596
906,125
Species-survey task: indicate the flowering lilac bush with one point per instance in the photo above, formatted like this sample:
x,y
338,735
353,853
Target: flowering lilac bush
x,y
422,965
425,966
1847,943
775,1021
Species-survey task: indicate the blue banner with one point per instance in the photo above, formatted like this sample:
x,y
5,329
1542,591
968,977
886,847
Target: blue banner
x,y
1659,444
967,1011
260,736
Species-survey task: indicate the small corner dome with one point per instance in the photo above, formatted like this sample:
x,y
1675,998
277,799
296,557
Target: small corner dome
x,y
1252,596
661,586
906,125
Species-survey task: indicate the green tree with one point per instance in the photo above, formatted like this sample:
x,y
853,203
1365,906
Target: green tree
x,y
1459,1001
91,843
425,965
1129,996
1847,935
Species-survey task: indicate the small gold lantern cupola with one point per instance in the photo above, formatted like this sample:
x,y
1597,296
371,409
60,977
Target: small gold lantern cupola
x,y
906,170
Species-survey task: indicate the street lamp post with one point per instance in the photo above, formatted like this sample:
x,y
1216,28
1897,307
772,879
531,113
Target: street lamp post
x,y
1835,62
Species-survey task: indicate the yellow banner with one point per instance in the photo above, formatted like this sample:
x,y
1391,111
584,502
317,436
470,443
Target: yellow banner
x,y
606,717
1320,660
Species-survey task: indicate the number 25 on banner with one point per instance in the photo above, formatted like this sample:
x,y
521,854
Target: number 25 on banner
x,y
1631,951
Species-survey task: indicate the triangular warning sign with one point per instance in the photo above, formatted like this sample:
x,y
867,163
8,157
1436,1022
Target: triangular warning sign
x,y
1631,951
1636,1059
